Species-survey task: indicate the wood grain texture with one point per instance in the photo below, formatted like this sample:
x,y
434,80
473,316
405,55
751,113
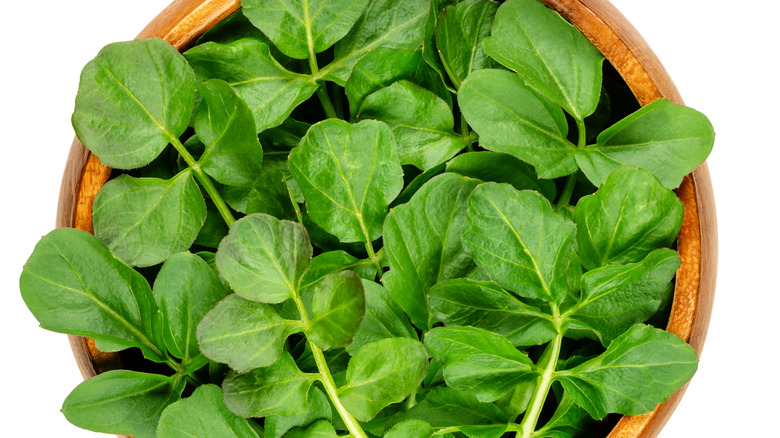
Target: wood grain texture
x,y
184,20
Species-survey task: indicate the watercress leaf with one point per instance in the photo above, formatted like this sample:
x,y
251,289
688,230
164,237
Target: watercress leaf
x,y
185,289
133,99
302,28
429,52
667,139
520,241
349,174
446,407
381,67
324,264
262,257
615,297
73,284
640,369
224,123
382,373
271,91
459,36
421,122
383,319
285,136
516,401
121,402
552,56
485,305
210,259
317,407
214,228
203,414
244,334
337,308
481,362
410,429
267,193
629,216
146,220
423,243
569,421
280,389
417,183
501,168
394,24
318,429
510,118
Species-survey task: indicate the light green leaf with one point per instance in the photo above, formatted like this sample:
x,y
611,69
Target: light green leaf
x,y
520,241
485,305
318,429
344,194
280,389
317,407
553,57
639,370
383,319
146,220
382,373
121,402
203,414
446,407
133,99
421,122
337,308
271,91
516,401
501,168
631,215
73,284
510,118
459,36
394,24
224,123
410,429
667,139
483,363
423,243
263,258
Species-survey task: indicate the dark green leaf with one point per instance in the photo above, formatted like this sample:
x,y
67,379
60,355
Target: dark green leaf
x,y
501,168
429,52
338,305
319,429
383,319
266,194
146,220
516,401
203,414
73,284
285,136
317,407
553,57
569,421
214,228
510,118
324,264
121,402
134,98
349,174
459,36
446,407
410,429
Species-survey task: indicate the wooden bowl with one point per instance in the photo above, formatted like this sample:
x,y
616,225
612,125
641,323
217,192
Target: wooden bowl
x,y
184,20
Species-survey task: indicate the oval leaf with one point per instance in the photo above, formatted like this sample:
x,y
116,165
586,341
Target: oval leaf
x,y
501,168
384,319
203,414
337,309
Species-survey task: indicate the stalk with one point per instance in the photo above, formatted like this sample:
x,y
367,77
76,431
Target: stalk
x,y
322,93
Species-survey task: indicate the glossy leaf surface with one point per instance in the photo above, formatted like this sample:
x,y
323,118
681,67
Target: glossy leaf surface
x,y
446,407
459,35
501,168
410,429
318,407
203,414
338,305
383,319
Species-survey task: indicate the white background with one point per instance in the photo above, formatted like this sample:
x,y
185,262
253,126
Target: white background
x,y
722,56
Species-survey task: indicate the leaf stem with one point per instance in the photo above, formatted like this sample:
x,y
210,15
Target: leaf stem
x,y
205,181
256,427
582,139
568,189
322,92
466,133
295,205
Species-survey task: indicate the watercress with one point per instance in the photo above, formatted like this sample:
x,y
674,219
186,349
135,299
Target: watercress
x,y
447,240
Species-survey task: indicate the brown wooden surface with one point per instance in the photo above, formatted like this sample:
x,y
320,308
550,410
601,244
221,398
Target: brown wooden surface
x,y
184,20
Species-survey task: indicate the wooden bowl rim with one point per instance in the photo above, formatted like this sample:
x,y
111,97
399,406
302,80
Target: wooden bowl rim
x,y
184,20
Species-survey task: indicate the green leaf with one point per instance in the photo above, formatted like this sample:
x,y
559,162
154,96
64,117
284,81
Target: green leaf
x,y
553,57
383,319
615,297
421,122
317,407
393,24
446,407
338,305
382,67
263,258
520,241
271,91
483,363
280,389
569,421
630,215
510,118
224,123
459,36
244,334
214,228
667,139
133,99
146,220
516,401
501,168
73,284
639,370
186,288
423,243
267,193
121,402
429,52
203,414
410,429
382,373
318,429
349,174
486,306
302,28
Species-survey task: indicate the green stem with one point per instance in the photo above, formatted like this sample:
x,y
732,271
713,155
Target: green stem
x,y
295,205
205,181
256,427
412,399
330,388
193,379
466,133
568,189
582,139
327,105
